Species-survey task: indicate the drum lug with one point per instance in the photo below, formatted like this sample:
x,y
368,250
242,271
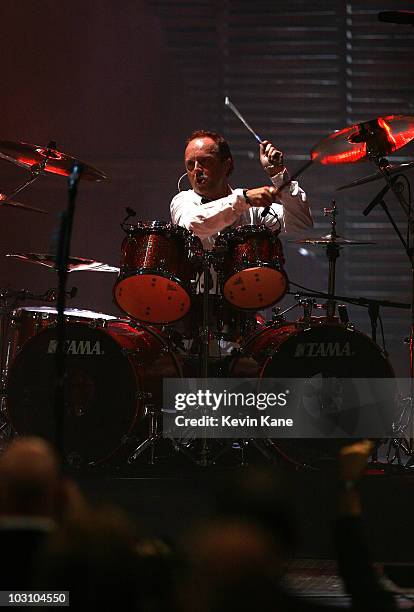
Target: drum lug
x,y
98,323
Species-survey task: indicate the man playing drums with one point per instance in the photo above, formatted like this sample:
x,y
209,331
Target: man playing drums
x,y
211,205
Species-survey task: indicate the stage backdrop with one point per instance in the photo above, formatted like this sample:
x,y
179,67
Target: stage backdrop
x,y
121,85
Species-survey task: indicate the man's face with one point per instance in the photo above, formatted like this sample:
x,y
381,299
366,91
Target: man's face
x,y
206,172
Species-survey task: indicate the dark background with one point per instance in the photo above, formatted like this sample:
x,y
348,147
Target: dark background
x,y
121,85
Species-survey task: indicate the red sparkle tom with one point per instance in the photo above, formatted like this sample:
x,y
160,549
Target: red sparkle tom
x,y
159,261
250,265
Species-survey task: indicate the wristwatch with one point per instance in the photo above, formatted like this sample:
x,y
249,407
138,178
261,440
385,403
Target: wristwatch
x,y
246,197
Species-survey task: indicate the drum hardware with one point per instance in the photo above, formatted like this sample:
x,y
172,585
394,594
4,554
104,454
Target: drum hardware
x,y
344,316
148,291
391,169
249,260
320,351
374,140
40,160
109,411
355,301
74,263
8,203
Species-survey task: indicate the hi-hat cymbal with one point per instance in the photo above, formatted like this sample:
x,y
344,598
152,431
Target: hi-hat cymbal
x,y
75,264
329,239
29,155
13,204
390,169
378,137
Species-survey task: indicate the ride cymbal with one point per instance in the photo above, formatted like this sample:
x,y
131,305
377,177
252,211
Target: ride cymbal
x,y
48,159
378,137
74,263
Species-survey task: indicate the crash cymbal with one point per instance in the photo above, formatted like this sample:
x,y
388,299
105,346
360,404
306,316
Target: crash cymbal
x,y
55,162
329,239
390,169
378,137
12,204
74,263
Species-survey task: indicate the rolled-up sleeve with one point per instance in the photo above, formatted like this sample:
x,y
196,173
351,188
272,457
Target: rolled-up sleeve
x,y
208,219
296,211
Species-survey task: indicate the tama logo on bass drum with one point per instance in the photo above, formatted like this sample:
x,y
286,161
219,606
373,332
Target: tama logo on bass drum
x,y
77,347
323,349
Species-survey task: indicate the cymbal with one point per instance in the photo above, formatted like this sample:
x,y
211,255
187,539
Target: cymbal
x,y
329,239
28,155
390,169
75,264
13,204
378,137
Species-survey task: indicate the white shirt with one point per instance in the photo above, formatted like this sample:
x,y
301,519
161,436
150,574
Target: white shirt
x,y
207,220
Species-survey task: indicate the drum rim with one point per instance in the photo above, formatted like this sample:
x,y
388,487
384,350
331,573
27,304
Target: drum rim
x,y
68,312
254,228
159,227
327,324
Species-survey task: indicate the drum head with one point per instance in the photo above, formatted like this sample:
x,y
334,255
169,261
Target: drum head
x,y
324,354
100,392
152,298
255,288
325,350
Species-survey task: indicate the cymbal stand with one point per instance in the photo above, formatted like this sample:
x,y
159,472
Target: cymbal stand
x,y
205,344
332,253
397,188
36,171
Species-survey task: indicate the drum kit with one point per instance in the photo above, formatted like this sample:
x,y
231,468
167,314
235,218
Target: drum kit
x,y
115,365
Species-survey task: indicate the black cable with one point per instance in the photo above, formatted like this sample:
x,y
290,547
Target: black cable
x,y
382,334
321,293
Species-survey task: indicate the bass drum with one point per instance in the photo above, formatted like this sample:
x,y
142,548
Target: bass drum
x,y
114,371
318,350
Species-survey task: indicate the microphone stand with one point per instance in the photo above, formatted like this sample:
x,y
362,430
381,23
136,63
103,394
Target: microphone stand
x,y
62,256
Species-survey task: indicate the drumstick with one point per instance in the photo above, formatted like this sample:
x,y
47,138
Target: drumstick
x,y
231,106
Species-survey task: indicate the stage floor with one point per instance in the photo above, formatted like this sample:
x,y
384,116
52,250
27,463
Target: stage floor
x,y
167,500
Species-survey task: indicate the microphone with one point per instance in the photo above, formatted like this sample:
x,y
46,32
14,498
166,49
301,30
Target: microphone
x,y
405,17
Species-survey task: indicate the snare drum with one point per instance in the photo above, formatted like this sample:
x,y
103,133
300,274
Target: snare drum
x,y
250,263
159,261
114,372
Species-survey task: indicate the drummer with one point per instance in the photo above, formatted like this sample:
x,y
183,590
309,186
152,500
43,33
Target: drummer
x,y
211,205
